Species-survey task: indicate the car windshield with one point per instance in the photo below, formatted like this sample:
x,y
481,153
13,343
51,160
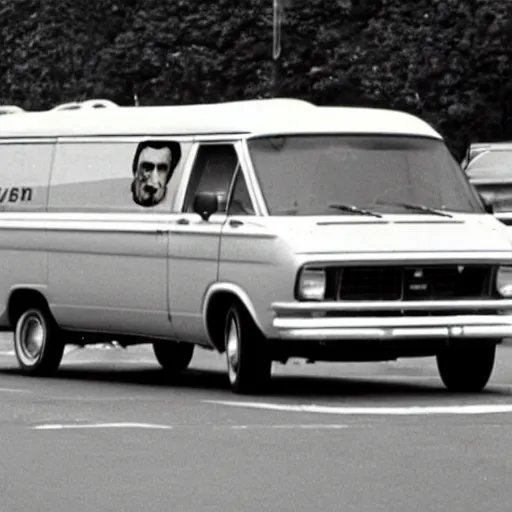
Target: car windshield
x,y
491,165
315,175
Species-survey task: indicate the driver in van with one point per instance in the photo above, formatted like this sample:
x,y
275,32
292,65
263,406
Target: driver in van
x,y
153,165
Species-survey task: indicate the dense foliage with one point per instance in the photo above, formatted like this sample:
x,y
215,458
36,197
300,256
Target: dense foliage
x,y
449,61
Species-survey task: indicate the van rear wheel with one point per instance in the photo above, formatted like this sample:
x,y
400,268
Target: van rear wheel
x,y
466,368
249,365
173,357
38,342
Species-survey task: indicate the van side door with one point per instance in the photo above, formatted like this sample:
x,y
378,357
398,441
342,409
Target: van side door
x,y
194,243
108,234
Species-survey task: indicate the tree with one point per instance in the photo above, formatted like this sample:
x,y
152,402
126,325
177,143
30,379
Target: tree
x,y
448,61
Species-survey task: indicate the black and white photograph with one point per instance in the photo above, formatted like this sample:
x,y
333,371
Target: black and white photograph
x,y
255,255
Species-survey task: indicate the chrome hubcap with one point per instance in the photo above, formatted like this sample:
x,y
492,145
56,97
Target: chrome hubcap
x,y
32,338
233,349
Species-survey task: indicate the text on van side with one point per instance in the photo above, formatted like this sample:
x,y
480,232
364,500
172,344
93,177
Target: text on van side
x,y
15,194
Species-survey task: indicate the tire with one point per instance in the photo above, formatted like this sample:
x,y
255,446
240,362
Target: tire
x,y
466,369
248,362
172,356
38,342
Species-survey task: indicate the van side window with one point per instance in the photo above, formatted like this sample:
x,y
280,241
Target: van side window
x,y
213,171
240,202
114,175
25,175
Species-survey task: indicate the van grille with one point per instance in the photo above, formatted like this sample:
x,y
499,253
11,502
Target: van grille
x,y
422,282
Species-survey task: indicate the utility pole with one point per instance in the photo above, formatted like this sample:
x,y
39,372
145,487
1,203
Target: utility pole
x,y
276,47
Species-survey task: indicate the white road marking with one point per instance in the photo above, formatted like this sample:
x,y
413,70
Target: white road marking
x,y
101,425
10,390
7,353
301,426
304,426
78,362
383,411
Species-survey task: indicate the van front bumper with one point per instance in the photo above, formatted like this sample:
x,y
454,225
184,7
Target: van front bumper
x,y
330,321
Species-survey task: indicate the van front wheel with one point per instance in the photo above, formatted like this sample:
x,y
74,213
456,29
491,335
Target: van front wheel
x,y
249,365
173,357
466,369
38,342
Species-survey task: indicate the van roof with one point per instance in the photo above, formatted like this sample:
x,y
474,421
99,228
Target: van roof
x,y
250,117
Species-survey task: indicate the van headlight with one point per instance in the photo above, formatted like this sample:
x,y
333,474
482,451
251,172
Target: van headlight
x,y
312,284
504,281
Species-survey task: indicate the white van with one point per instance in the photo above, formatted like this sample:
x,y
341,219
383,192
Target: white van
x,y
264,229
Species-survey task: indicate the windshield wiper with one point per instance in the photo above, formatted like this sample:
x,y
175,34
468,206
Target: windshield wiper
x,y
417,207
354,209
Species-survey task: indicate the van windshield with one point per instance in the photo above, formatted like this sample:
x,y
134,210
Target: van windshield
x,y
315,175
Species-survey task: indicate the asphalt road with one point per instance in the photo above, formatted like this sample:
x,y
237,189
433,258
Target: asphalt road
x,y
112,433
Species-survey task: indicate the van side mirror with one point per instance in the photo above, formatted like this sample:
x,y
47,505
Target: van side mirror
x,y
488,203
206,204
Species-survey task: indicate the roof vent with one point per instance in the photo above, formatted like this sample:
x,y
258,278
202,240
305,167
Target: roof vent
x,y
10,109
88,104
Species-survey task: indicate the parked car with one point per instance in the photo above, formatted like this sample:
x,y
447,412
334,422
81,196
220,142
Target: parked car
x,y
489,168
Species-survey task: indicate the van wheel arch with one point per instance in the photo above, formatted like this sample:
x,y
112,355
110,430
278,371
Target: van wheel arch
x,y
20,300
217,309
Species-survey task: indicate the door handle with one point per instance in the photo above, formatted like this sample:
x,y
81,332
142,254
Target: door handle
x,y
235,223
183,222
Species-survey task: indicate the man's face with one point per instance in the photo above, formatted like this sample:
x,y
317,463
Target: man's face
x,y
151,175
